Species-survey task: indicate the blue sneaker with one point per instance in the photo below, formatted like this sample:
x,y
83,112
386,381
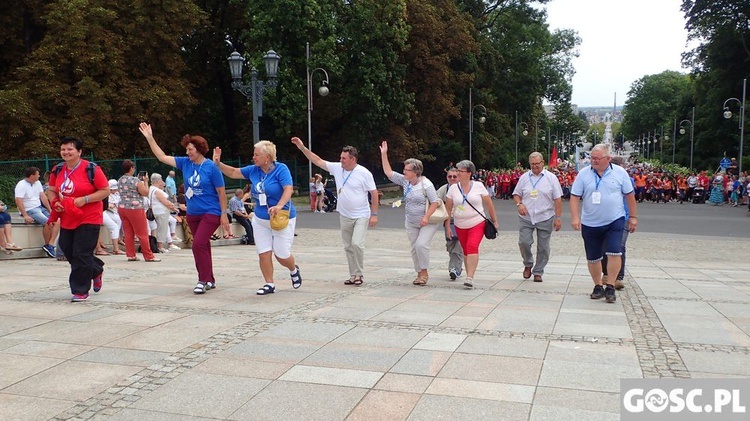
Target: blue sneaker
x,y
49,249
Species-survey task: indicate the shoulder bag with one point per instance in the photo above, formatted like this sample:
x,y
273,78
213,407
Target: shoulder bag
x,y
440,214
150,212
490,232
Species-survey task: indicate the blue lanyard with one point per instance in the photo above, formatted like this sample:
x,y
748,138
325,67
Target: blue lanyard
x,y
471,184
598,178
345,179
66,175
407,189
533,184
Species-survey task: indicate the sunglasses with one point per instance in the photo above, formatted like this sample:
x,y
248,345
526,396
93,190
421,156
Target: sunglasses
x,y
452,176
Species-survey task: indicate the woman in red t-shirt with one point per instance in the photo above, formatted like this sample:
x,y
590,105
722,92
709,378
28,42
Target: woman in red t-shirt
x,y
77,202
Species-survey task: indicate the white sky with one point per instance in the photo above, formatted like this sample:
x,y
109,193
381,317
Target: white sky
x,y
622,41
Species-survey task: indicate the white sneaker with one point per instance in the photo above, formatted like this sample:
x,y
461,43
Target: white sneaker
x,y
322,211
174,247
163,251
176,238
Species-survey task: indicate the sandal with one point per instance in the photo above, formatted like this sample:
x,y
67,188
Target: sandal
x,y
266,289
133,259
421,281
101,253
358,282
215,237
118,252
349,281
155,259
296,278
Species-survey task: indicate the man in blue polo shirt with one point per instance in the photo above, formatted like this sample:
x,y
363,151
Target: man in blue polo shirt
x,y
598,191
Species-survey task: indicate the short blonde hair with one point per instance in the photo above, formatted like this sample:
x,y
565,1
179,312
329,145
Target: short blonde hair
x,y
267,147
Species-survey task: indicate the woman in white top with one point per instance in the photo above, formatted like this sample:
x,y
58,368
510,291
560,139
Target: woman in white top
x,y
417,191
470,204
111,218
160,206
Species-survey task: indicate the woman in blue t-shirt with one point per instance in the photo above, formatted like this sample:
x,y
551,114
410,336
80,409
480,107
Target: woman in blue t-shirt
x,y
271,188
205,199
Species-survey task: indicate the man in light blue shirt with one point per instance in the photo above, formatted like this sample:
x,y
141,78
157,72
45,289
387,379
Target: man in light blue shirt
x,y
597,196
171,187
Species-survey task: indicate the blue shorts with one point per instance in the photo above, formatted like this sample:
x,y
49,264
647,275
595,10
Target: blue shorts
x,y
40,215
606,239
4,218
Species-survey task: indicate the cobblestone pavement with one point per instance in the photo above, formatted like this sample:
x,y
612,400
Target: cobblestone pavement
x,y
146,347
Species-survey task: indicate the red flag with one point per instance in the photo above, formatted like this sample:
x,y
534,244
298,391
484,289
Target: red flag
x,y
553,158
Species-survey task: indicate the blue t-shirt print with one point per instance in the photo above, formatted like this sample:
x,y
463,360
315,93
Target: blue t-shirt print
x,y
272,184
202,179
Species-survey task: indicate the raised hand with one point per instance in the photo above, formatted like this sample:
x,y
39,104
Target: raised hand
x,y
298,142
217,155
146,131
384,148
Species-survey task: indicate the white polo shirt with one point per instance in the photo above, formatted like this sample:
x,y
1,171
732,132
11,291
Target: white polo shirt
x,y
538,194
30,193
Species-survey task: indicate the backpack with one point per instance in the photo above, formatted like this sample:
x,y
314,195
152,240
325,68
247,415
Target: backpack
x,y
90,171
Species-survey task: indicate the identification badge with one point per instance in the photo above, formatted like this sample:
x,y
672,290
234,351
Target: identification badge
x,y
396,204
460,209
189,193
596,198
534,193
262,199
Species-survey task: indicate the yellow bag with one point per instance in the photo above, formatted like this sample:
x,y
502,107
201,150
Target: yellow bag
x,y
280,220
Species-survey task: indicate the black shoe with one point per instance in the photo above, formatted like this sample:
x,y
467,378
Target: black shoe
x,y
452,275
598,292
296,278
609,294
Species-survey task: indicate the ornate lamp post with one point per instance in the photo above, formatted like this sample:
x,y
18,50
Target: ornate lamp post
x,y
256,88
728,115
692,129
322,91
482,119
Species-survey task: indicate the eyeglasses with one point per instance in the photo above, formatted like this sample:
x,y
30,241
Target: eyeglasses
x,y
452,176
595,159
463,170
536,164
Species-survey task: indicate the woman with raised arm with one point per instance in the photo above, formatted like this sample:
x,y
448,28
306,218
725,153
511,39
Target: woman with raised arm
x,y
205,199
271,188
418,190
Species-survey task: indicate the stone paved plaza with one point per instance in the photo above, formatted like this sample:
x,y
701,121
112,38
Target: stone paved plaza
x,y
147,348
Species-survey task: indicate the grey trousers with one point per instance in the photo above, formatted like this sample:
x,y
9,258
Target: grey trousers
x,y
353,233
455,253
420,239
526,240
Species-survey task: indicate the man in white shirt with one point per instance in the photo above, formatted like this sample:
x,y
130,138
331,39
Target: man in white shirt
x,y
34,207
356,214
538,197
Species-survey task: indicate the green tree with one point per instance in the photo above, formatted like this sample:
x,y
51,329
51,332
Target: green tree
x,y
98,69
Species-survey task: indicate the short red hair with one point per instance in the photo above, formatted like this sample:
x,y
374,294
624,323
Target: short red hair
x,y
200,144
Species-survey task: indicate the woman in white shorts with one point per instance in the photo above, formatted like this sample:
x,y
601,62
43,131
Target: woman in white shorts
x,y
271,188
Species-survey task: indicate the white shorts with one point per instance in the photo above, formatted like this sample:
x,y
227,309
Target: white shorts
x,y
266,239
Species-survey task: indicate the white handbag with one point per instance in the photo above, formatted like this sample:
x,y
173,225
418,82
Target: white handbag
x,y
440,214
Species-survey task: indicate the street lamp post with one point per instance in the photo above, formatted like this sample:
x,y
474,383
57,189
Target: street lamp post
x,y
323,91
482,119
692,129
256,88
728,115
525,133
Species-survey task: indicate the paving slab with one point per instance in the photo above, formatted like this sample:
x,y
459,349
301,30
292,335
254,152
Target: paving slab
x,y
507,349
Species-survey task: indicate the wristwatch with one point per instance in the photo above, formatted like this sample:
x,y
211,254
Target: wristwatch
x,y
518,204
